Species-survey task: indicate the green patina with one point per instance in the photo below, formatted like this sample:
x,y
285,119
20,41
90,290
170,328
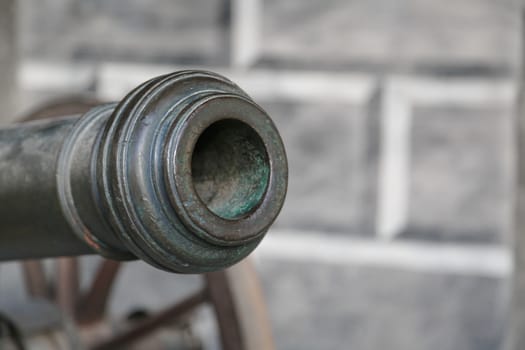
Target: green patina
x,y
230,169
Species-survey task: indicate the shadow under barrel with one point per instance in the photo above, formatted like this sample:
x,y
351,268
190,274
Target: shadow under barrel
x,y
186,173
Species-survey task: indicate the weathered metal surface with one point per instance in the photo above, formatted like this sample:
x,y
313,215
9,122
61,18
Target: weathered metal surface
x,y
186,173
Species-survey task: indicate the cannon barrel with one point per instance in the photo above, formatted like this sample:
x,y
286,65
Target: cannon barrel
x,y
186,173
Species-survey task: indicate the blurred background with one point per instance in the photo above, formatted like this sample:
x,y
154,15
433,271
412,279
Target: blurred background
x,y
397,119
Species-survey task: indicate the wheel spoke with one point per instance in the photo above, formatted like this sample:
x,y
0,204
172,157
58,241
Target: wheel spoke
x,y
92,306
35,279
151,324
227,319
67,284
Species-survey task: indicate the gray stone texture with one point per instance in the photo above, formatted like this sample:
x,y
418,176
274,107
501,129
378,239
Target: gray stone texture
x,y
350,307
401,34
154,31
460,173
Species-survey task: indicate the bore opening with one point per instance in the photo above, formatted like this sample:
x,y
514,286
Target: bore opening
x,y
230,168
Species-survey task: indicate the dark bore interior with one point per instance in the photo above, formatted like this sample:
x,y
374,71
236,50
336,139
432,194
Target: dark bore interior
x,y
230,168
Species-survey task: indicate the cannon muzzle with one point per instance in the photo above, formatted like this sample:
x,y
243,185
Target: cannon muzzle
x,y
186,173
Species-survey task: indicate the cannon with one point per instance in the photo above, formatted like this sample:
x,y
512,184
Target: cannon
x,y
187,173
